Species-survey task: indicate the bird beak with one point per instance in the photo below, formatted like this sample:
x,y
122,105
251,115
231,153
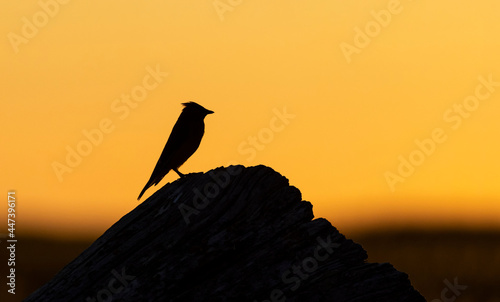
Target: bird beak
x,y
209,111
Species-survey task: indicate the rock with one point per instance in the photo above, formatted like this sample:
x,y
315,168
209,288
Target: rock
x,y
231,234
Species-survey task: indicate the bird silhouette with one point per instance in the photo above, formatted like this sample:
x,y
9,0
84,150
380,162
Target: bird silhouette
x,y
182,143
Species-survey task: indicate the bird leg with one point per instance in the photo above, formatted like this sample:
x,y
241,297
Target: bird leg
x,y
179,173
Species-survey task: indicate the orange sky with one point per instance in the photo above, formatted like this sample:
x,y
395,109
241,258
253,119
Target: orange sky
x,y
335,92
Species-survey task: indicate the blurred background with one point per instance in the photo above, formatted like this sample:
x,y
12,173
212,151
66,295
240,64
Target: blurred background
x,y
383,113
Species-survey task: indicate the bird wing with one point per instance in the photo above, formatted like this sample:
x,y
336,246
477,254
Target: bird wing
x,y
179,133
174,143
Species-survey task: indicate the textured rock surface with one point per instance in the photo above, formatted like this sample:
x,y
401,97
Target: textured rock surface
x,y
231,234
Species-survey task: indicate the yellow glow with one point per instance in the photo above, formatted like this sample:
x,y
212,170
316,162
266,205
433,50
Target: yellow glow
x,y
351,120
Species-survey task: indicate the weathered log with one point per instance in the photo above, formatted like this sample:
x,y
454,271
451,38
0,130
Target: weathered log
x,y
231,234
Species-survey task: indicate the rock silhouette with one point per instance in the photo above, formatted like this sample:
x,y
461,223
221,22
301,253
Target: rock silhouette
x,y
231,234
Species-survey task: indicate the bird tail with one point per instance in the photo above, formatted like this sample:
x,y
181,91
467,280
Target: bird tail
x,y
153,180
144,190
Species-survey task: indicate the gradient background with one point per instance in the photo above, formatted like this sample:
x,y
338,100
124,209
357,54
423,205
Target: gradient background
x,y
352,120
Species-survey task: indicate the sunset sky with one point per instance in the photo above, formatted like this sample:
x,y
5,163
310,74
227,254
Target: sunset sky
x,y
381,112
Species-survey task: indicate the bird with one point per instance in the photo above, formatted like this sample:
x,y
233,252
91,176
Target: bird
x,y
183,141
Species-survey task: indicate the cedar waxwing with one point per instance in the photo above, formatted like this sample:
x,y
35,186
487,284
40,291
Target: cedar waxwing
x,y
183,141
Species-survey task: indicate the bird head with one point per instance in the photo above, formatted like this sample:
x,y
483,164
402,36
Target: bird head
x,y
196,109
